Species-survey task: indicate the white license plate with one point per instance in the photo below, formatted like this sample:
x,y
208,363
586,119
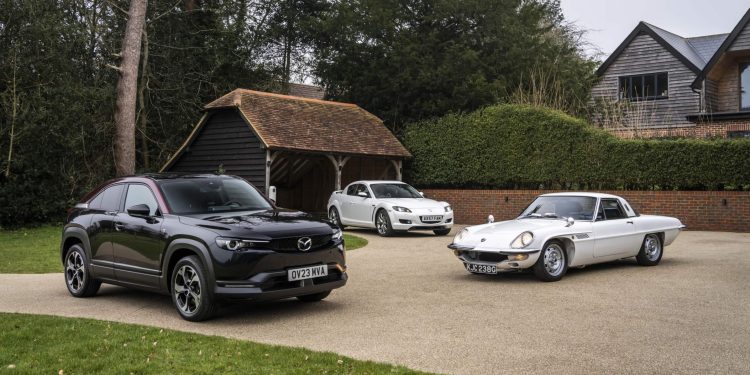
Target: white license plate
x,y
307,272
489,269
432,218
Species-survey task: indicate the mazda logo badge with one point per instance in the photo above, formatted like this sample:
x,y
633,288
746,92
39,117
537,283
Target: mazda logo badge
x,y
304,243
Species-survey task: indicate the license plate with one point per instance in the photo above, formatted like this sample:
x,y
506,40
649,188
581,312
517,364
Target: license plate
x,y
307,272
432,218
481,268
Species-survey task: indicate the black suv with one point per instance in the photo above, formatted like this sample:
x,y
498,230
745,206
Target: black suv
x,y
198,238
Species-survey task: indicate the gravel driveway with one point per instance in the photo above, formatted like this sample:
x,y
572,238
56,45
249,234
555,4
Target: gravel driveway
x,y
409,301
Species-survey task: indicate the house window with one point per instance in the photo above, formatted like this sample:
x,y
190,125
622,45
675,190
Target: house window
x,y
739,134
646,86
745,87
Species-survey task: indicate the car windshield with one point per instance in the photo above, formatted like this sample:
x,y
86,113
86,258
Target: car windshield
x,y
211,195
394,191
561,207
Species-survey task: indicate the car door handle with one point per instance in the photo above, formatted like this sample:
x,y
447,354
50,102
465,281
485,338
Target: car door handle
x,y
119,226
110,213
629,222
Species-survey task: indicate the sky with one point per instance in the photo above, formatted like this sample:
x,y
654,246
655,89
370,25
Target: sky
x,y
608,22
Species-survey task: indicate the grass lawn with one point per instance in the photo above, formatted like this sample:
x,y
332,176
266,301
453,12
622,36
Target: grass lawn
x,y
36,250
38,344
353,242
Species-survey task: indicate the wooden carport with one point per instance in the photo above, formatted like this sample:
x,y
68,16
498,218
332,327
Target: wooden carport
x,y
306,148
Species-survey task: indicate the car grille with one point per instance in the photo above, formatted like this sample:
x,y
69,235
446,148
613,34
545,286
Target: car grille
x,y
290,244
484,256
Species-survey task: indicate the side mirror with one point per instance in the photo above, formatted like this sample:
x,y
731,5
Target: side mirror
x,y
570,221
422,194
139,210
363,194
490,219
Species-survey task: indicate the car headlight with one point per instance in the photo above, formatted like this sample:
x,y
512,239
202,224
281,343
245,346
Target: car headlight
x,y
401,209
237,244
448,208
337,234
460,236
523,240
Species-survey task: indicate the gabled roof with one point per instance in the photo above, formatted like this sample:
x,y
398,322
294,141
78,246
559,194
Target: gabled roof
x,y
675,44
306,91
728,41
706,46
292,123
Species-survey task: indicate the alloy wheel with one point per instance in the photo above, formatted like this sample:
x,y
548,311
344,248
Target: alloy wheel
x,y
75,272
381,224
187,289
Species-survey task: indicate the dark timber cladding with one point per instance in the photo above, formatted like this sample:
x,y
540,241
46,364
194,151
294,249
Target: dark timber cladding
x,y
224,141
305,148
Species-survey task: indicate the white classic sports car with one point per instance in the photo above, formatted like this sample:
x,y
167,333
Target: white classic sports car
x,y
562,230
390,207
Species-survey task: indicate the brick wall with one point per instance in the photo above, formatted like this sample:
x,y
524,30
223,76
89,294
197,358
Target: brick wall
x,y
700,130
699,210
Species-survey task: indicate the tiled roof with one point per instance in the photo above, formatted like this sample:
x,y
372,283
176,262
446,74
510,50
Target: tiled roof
x,y
707,45
306,91
681,45
293,123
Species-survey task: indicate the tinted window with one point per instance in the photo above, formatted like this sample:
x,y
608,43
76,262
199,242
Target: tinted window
x,y
579,208
644,86
612,209
745,87
352,189
141,194
394,191
207,195
108,200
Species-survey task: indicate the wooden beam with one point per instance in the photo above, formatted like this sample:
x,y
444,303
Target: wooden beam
x,y
269,160
338,165
397,167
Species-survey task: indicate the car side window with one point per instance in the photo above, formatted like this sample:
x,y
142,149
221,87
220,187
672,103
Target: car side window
x,y
108,200
612,209
141,194
352,189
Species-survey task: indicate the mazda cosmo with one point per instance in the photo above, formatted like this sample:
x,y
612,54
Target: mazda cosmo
x,y
198,238
390,207
562,230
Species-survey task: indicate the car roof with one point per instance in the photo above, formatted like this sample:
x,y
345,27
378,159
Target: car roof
x,y
581,194
378,182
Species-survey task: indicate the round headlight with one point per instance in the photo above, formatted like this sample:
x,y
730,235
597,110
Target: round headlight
x,y
460,235
526,238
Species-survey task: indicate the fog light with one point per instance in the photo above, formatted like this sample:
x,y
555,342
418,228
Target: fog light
x,y
518,257
456,253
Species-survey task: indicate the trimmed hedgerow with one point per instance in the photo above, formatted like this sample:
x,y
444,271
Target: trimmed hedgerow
x,y
512,146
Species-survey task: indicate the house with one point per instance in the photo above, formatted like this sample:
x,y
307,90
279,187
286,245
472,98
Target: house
x,y
659,84
306,148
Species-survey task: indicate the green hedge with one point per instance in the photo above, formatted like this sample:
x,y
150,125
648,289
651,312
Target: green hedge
x,y
511,146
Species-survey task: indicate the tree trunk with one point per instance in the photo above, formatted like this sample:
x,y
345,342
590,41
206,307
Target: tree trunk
x,y
127,86
142,114
13,115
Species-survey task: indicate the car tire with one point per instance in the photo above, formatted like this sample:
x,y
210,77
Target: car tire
x,y
335,217
191,294
441,232
552,263
314,297
651,250
78,274
383,224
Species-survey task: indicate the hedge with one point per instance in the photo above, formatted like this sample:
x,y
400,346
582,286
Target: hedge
x,y
512,146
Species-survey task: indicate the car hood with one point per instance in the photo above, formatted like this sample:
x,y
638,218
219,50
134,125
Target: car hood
x,y
415,203
499,235
270,224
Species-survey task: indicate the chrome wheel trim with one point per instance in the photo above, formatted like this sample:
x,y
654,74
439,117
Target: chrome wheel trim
x,y
187,289
652,247
381,224
333,216
75,272
554,260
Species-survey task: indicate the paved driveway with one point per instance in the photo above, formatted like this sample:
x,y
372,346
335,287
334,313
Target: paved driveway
x,y
410,302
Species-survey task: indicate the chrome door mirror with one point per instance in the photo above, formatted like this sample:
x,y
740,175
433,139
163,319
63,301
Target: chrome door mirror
x,y
421,193
490,219
570,221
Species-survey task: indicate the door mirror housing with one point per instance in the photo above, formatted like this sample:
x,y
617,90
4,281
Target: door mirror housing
x,y
139,210
363,194
569,221
421,193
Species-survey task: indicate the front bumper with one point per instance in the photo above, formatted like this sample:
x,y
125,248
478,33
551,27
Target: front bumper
x,y
274,285
413,220
498,258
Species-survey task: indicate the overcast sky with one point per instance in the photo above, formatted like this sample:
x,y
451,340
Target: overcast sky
x,y
609,21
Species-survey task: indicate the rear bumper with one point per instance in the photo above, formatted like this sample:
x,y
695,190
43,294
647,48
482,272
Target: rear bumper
x,y
274,285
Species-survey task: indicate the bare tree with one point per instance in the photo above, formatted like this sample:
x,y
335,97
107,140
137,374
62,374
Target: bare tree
x,y
127,86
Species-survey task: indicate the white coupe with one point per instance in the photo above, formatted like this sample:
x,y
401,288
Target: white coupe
x,y
562,230
389,207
